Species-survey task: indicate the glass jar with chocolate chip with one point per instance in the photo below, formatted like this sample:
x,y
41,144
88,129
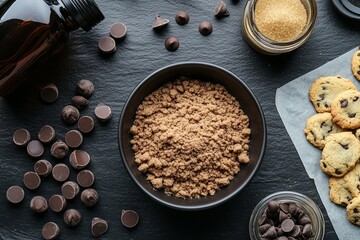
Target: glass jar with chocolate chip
x,y
274,27
286,215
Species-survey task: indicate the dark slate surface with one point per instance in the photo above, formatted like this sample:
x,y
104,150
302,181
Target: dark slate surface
x,y
138,55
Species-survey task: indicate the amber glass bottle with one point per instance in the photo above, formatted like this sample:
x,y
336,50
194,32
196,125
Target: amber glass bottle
x,y
32,29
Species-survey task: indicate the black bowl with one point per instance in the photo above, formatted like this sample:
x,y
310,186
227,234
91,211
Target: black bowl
x,y
206,72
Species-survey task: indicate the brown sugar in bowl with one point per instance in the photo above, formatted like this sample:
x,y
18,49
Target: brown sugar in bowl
x,y
205,72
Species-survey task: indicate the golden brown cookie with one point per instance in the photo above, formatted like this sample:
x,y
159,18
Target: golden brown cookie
x,y
355,64
352,180
345,109
339,192
353,210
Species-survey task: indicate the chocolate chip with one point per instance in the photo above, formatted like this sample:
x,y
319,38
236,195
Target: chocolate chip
x,y
172,43
284,207
31,180
89,197
292,208
118,31
343,103
205,28
103,112
270,233
351,115
323,124
43,168
358,72
15,194
85,178
21,137
287,225
70,114
73,138
50,231
80,102
107,45
324,165
273,206
85,88
98,226
60,172
262,219
296,232
38,204
35,148
49,93
322,96
282,238
182,18
70,190
59,149
159,22
86,124
323,88
263,228
356,98
308,230
57,203
46,134
337,171
326,105
221,9
356,210
79,159
129,218
283,216
304,220
279,231
72,217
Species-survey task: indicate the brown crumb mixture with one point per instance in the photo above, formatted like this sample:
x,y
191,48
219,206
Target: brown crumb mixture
x,y
189,138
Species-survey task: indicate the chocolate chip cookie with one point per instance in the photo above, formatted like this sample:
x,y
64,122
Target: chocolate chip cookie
x,y
355,64
323,91
345,109
339,191
318,127
340,154
353,210
352,180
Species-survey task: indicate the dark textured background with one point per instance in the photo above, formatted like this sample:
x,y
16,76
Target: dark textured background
x,y
141,53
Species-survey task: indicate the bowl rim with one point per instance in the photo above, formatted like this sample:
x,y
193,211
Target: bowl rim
x,y
227,197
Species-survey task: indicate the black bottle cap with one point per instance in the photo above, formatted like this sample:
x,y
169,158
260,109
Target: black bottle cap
x,y
85,12
349,8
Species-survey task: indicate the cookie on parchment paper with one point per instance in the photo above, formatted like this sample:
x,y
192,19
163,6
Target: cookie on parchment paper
x,y
345,109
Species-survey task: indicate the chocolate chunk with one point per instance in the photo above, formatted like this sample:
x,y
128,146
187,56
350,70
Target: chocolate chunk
x,y
59,149
80,102
351,115
85,178
86,124
343,103
35,148
46,134
43,168
182,18
308,230
284,207
118,31
270,233
70,114
296,232
21,137
49,93
15,194
89,197
98,226
273,206
72,217
172,43
85,88
107,45
70,190
159,22
73,138
283,216
205,28
287,225
60,172
79,159
50,231
57,203
221,10
38,204
129,218
103,112
263,228
31,180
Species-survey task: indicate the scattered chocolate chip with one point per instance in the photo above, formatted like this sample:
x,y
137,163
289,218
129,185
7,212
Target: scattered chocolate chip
x,y
221,10
287,225
270,233
60,172
38,204
172,43
118,31
49,93
70,114
129,218
98,226
73,138
57,203
308,230
46,134
35,148
159,22
70,190
343,103
15,194
80,102
31,180
85,178
182,18
21,137
89,197
50,231
43,168
107,45
59,149
85,88
103,112
79,159
86,124
205,28
72,217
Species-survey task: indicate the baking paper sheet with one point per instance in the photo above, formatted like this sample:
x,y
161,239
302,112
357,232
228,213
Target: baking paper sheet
x,y
294,107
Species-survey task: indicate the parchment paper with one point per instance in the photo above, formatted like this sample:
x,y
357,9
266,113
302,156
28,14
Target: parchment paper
x,y
294,107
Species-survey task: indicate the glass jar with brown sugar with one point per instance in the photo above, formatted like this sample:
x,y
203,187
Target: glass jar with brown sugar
x,y
278,26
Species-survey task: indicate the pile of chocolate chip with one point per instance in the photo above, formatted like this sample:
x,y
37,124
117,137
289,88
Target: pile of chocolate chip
x,y
285,221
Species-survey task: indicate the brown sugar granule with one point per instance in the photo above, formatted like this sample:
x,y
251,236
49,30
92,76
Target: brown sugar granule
x,y
189,138
280,20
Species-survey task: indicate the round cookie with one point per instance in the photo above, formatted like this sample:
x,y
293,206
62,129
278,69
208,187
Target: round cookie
x,y
340,154
345,109
353,210
352,180
339,192
357,133
355,64
318,127
323,91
